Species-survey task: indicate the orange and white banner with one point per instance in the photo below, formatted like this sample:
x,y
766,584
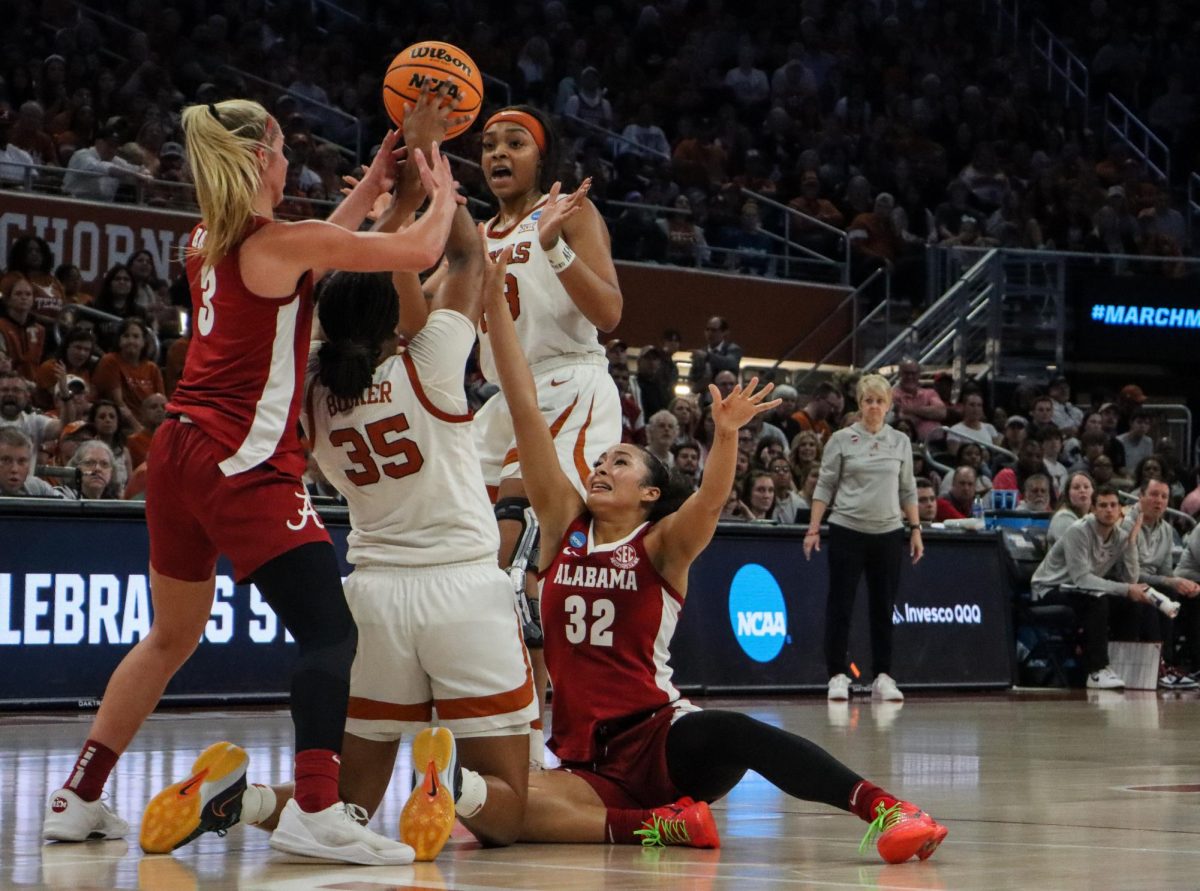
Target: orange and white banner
x,y
93,235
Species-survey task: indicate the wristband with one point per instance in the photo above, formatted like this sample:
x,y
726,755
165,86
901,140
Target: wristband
x,y
812,532
560,256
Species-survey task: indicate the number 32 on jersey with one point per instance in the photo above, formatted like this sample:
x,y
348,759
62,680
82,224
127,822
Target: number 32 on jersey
x,y
599,632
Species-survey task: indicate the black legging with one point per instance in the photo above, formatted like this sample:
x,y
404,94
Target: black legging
x,y
708,752
304,587
850,555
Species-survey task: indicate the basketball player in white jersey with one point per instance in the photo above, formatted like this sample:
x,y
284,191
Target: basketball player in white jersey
x,y
561,287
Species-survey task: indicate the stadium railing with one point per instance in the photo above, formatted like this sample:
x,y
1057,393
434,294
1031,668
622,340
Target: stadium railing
x,y
842,265
1142,141
353,123
1060,62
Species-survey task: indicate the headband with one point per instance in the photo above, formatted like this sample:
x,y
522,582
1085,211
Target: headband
x,y
521,119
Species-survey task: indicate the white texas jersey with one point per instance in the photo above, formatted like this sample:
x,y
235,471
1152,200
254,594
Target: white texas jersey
x,y
402,454
549,324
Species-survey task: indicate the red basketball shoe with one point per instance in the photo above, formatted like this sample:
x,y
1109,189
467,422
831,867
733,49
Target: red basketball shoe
x,y
904,830
685,822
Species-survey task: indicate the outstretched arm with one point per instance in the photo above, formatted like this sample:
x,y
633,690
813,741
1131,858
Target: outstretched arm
x,y
680,537
554,499
278,255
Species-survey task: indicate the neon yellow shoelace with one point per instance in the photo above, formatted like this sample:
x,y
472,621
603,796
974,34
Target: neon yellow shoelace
x,y
884,819
660,832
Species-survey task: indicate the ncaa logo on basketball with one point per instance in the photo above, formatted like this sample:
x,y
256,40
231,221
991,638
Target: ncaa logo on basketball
x,y
757,613
625,557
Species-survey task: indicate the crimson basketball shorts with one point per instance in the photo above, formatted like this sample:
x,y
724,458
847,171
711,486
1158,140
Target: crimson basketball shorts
x,y
631,766
581,406
194,511
441,639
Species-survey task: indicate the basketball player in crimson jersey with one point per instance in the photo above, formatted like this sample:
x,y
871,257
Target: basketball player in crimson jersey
x,y
225,478
639,764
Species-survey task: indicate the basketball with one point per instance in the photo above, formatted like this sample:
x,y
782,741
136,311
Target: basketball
x,y
430,63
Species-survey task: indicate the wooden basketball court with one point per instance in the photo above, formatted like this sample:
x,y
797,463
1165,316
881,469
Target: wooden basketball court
x,y
1039,790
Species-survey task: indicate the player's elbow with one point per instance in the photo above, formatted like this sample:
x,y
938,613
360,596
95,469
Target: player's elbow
x,y
609,316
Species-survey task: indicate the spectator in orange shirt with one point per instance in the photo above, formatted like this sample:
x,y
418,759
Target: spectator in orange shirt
x,y
810,202
73,359
154,412
874,237
127,376
30,257
821,411
24,339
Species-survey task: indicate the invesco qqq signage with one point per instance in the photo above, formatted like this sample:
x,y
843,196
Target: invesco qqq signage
x,y
757,612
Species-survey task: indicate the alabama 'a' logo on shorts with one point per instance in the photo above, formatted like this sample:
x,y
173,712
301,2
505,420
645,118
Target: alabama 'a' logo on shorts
x,y
304,513
625,557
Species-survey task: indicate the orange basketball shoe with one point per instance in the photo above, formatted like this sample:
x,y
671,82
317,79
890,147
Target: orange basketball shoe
x,y
209,800
428,815
685,822
904,830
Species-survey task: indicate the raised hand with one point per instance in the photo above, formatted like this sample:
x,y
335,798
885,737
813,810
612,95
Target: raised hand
x,y
732,412
558,210
381,174
427,120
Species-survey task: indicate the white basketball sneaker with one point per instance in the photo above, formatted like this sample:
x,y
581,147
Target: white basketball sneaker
x,y
1105,679
885,688
839,688
70,818
336,833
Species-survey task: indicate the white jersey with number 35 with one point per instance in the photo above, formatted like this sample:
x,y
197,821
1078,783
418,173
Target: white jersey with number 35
x,y
549,324
402,455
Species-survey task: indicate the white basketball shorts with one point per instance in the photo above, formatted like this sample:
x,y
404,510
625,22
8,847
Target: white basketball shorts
x,y
580,404
437,639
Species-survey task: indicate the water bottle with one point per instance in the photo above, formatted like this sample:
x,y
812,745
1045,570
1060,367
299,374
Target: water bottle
x,y
977,508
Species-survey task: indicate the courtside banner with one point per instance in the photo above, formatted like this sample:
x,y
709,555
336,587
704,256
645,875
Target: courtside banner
x,y
93,235
75,597
754,618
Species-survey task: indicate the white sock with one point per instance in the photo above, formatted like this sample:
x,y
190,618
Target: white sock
x,y
258,803
473,795
537,748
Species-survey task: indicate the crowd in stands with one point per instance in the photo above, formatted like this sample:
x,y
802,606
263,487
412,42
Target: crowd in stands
x,y
902,124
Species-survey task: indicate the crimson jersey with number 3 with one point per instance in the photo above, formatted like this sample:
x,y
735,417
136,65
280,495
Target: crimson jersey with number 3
x,y
244,374
608,618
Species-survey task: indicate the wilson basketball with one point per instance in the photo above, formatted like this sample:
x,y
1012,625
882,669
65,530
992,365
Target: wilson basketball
x,y
430,63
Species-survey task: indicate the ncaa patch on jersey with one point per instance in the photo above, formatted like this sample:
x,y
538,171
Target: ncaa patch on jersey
x,y
577,539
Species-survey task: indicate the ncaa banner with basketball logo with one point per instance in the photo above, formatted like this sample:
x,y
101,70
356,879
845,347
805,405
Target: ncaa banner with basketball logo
x,y
75,597
95,236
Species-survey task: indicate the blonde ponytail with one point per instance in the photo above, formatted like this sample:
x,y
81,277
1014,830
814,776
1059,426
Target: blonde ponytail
x,y
221,150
